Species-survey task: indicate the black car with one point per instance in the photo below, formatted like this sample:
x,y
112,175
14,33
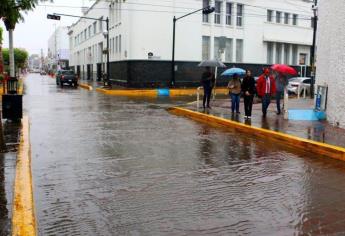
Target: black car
x,y
66,77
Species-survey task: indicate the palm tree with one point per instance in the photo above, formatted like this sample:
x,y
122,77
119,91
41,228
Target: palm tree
x,y
11,14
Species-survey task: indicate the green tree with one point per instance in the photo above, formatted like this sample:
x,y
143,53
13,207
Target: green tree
x,y
11,14
1,37
20,56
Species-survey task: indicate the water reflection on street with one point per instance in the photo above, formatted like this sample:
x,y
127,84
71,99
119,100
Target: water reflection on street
x,y
107,165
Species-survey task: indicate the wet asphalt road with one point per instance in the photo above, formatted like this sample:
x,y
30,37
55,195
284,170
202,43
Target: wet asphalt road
x,y
106,165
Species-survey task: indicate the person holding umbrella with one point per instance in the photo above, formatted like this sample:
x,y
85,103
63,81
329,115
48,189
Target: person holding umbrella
x,y
266,87
207,81
280,85
248,91
234,87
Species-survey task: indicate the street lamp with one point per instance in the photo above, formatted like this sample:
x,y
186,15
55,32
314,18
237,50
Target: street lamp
x,y
57,16
206,10
312,54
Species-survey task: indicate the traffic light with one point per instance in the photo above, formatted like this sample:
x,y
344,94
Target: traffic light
x,y
53,17
208,10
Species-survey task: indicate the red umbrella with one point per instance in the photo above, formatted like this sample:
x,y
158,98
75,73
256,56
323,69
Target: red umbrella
x,y
284,69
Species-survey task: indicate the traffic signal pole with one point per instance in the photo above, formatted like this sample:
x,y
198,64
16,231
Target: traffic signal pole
x,y
206,10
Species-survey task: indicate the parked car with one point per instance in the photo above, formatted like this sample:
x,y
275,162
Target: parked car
x,y
66,77
303,82
43,72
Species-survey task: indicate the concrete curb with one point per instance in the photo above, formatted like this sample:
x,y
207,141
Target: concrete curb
x,y
23,218
85,86
155,92
293,141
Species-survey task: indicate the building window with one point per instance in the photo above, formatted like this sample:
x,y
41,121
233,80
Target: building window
x,y
239,50
287,54
312,22
229,50
120,43
85,34
205,3
302,59
217,49
117,44
217,12
205,47
239,15
286,18
279,53
101,24
294,19
278,16
229,13
269,15
94,27
294,54
90,31
269,53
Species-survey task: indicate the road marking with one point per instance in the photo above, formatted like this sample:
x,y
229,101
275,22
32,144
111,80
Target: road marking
x,y
23,219
294,141
85,86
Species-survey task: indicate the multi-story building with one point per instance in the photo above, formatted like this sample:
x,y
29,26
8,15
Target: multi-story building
x,y
58,49
239,31
330,63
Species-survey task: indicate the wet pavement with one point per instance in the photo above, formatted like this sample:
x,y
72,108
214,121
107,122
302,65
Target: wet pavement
x,y
7,175
320,131
105,165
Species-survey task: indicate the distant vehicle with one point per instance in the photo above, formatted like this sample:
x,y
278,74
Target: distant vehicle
x,y
303,82
35,70
43,72
66,77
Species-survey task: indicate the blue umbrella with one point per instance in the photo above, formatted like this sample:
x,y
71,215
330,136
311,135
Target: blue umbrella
x,y
232,71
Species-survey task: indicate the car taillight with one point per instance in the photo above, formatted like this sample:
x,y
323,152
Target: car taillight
x,y
62,77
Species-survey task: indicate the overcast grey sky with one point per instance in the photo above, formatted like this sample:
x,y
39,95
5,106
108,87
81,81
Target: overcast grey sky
x,y
33,34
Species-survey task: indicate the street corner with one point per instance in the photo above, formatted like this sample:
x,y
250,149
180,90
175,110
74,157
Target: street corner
x,y
86,86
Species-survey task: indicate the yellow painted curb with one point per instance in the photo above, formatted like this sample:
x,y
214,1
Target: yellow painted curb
x,y
86,86
306,144
23,219
154,92
129,92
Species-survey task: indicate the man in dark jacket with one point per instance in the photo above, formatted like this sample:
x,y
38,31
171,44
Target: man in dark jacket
x,y
207,81
248,91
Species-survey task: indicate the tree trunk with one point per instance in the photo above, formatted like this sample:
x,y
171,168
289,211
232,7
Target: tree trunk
x,y
11,52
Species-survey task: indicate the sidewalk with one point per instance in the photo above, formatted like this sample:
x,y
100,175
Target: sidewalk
x,y
320,131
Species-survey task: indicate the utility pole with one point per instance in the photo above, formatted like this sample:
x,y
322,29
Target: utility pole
x,y
312,53
206,10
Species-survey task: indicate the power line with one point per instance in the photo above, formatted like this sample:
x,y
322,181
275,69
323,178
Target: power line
x,y
166,11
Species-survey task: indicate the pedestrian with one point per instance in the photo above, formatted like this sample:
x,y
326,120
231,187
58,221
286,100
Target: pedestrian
x,y
234,87
248,91
280,85
207,81
266,87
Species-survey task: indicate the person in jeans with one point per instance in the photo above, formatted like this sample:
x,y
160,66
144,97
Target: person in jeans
x,y
280,84
234,87
207,81
266,87
248,91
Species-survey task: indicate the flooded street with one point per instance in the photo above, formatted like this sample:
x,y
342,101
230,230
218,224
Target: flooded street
x,y
106,165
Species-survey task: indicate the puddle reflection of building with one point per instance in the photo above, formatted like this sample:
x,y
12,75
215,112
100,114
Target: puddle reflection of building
x,y
3,201
206,145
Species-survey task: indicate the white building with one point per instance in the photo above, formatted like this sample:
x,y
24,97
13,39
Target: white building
x,y
58,47
330,65
250,31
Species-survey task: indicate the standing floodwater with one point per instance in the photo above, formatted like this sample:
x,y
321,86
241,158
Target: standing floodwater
x,y
106,165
